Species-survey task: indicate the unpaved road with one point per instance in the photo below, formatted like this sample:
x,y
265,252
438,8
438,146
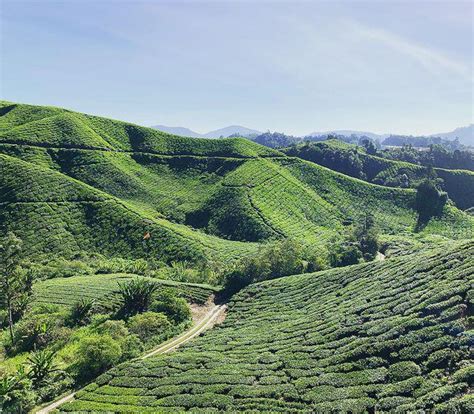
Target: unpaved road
x,y
205,322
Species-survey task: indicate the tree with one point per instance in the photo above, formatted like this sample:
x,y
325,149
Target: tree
x,y
367,237
430,200
80,312
369,146
13,282
175,308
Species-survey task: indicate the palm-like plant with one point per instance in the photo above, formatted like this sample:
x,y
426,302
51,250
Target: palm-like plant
x,y
81,311
136,295
41,364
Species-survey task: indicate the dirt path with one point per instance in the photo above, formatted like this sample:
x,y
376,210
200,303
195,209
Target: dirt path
x,y
200,326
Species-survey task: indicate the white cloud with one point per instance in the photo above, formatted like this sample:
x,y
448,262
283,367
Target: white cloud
x,y
431,59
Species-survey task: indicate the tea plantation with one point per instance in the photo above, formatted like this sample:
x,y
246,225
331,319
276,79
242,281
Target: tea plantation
x,y
354,161
88,203
385,336
72,183
103,289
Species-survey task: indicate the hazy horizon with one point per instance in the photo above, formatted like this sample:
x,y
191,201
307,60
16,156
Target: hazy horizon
x,y
394,67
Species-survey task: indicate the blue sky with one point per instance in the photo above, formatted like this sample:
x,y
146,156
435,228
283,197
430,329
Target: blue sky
x,y
294,67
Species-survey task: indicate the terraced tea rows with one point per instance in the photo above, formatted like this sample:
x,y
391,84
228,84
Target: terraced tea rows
x,y
102,289
72,183
60,215
383,336
353,161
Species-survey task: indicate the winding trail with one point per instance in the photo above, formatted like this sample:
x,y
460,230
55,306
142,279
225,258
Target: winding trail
x,y
205,322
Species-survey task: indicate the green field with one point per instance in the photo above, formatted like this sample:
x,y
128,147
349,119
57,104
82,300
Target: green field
x,y
103,289
386,336
73,183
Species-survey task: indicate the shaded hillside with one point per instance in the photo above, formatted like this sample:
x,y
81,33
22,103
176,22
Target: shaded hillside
x,y
351,160
384,336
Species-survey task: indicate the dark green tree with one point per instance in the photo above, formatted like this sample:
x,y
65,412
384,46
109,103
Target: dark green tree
x,y
15,285
367,237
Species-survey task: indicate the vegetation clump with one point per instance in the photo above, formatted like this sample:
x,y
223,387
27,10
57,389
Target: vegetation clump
x,y
399,328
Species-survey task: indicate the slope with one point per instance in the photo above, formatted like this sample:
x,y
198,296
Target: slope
x,y
401,329
103,288
58,215
351,160
129,179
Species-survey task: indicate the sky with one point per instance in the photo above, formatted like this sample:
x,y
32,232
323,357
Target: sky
x,y
295,67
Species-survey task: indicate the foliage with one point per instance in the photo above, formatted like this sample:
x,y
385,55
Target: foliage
x,y
80,312
16,395
429,199
40,364
95,354
437,156
175,308
102,289
354,339
15,285
136,295
388,168
37,330
148,324
345,254
277,259
367,237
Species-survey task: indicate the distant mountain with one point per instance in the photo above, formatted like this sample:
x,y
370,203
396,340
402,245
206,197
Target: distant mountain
x,y
465,135
348,133
184,132
232,130
223,132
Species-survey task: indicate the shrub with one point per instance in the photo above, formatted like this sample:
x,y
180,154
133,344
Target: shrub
x,y
16,395
38,331
41,364
429,199
131,347
96,353
148,324
403,370
275,260
177,309
345,254
136,295
80,312
115,329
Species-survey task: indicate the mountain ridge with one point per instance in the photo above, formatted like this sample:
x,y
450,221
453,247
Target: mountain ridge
x,y
217,133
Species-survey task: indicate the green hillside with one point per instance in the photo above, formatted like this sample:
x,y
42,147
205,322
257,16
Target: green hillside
x,y
103,288
378,337
73,183
354,161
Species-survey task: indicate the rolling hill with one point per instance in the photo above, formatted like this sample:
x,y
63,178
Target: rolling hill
x,y
74,183
96,200
354,161
378,337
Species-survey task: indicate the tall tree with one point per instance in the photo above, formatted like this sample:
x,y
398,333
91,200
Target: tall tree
x,y
11,280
